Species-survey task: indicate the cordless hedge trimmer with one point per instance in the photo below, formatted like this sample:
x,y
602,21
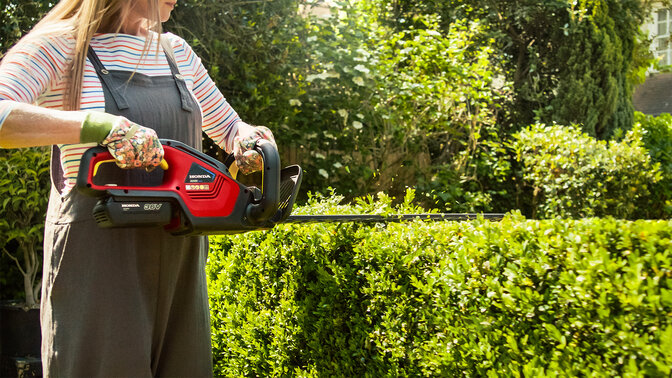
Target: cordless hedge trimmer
x,y
196,194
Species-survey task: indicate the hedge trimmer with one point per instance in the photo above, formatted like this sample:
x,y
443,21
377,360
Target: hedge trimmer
x,y
196,194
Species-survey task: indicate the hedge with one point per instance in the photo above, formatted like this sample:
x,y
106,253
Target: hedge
x,y
573,175
512,298
656,135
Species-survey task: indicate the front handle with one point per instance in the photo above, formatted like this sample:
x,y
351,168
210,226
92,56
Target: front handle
x,y
91,161
88,167
261,211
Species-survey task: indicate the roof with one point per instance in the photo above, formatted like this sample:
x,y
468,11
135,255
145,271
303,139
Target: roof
x,y
655,95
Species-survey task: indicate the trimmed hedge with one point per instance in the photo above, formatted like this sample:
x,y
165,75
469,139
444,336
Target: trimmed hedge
x,y
570,174
513,298
656,135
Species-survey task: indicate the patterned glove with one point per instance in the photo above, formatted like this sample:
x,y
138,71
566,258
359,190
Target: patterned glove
x,y
247,159
132,145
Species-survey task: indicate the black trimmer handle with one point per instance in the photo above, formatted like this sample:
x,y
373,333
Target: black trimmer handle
x,y
261,211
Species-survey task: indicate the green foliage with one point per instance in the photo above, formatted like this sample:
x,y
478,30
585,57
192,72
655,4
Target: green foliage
x,y
251,50
513,298
361,107
394,108
445,93
24,193
17,17
569,62
656,135
571,174
593,88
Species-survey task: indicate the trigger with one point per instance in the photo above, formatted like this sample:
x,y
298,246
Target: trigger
x,y
95,167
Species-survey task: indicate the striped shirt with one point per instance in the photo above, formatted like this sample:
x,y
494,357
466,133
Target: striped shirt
x,y
34,72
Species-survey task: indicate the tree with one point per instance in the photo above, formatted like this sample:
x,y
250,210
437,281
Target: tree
x,y
597,55
248,47
24,192
17,17
569,61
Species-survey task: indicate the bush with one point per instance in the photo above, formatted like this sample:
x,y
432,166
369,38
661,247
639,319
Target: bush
x,y
394,108
570,174
513,298
656,135
24,194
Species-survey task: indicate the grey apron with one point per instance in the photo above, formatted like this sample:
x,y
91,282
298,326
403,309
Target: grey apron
x,y
129,302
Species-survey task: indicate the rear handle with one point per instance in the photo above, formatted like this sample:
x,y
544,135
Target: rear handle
x,y
261,211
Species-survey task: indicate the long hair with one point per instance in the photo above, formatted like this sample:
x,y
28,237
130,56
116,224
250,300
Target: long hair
x,y
81,19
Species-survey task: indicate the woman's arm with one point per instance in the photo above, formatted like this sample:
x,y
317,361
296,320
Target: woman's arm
x,y
132,145
221,123
35,64
28,126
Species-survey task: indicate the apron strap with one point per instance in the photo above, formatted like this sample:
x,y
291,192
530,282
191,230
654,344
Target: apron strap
x,y
104,75
179,79
57,175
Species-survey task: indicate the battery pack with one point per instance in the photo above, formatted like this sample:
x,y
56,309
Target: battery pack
x,y
113,212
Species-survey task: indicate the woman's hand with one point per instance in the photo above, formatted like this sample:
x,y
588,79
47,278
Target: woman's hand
x,y
131,145
248,159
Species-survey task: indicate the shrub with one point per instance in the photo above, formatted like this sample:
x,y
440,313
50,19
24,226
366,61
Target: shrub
x,y
570,174
513,298
656,135
24,193
395,109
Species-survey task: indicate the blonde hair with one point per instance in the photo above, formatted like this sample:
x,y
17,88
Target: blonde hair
x,y
81,19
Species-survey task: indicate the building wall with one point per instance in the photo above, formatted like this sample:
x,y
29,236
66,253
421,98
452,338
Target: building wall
x,y
654,96
659,29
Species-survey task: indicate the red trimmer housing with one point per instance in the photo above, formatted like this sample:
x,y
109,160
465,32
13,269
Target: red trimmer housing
x,y
197,194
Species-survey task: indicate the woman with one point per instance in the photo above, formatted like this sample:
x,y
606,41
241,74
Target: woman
x,y
116,302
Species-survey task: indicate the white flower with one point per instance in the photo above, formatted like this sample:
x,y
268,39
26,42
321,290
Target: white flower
x,y
323,173
362,68
323,76
294,102
343,113
358,80
357,125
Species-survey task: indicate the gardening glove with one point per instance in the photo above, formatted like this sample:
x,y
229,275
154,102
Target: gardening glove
x,y
247,158
131,145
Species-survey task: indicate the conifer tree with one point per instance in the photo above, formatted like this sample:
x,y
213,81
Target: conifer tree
x,y
596,57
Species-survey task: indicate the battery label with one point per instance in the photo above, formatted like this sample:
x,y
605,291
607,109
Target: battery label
x,y
133,207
